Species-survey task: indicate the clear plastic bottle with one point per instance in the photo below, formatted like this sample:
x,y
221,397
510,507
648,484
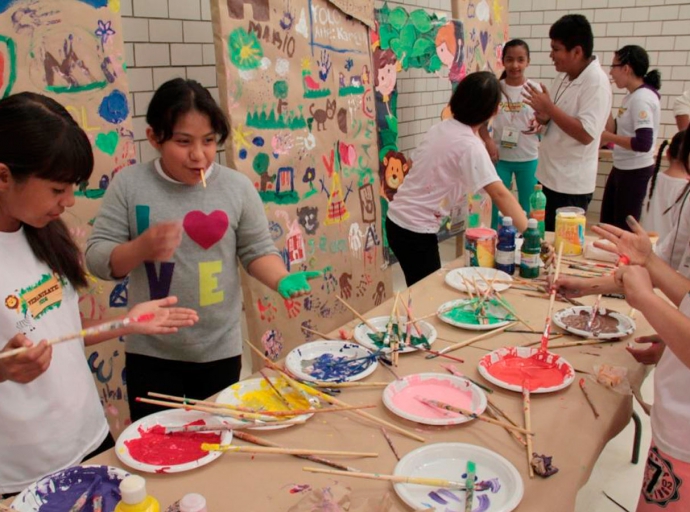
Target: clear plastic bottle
x,y
505,248
193,502
531,249
537,207
134,497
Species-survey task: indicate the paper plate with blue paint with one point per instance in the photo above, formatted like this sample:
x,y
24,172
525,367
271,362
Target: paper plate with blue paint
x,y
373,341
61,490
498,485
331,361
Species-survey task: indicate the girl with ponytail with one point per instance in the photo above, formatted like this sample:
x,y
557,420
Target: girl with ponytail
x,y
633,134
659,212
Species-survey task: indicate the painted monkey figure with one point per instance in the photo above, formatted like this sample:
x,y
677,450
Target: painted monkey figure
x,y
321,116
394,168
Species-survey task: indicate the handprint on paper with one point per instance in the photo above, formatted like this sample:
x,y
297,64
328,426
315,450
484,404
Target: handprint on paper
x,y
345,286
379,293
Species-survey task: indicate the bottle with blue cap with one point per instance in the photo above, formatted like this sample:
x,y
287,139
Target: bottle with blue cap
x,y
505,248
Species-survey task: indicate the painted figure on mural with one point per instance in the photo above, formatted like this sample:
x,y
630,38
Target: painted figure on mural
x,y
385,77
450,50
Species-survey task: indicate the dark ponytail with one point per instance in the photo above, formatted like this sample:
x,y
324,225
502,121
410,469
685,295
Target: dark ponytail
x,y
40,139
513,43
636,57
657,165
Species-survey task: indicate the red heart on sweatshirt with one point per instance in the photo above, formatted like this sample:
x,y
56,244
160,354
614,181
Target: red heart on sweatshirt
x,y
206,230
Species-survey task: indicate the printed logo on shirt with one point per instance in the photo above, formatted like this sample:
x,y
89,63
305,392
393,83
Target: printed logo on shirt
x,y
509,106
643,115
660,484
621,111
37,299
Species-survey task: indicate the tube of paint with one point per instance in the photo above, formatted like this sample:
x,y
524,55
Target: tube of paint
x,y
193,502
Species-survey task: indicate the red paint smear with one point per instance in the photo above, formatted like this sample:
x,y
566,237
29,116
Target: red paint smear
x,y
160,449
540,370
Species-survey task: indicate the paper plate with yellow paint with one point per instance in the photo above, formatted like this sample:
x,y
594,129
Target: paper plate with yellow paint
x,y
257,395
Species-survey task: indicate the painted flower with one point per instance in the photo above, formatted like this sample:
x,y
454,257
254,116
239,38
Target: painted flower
x,y
104,31
309,175
245,50
12,302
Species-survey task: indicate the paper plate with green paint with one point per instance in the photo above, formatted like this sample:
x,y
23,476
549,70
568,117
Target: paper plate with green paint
x,y
375,341
473,315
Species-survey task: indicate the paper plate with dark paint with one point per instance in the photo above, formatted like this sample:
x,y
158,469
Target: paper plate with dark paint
x,y
61,490
607,325
362,333
461,313
147,445
509,367
331,361
498,485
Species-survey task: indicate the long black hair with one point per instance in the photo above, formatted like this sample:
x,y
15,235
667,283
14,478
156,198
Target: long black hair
x,y
177,97
476,98
636,57
513,43
39,138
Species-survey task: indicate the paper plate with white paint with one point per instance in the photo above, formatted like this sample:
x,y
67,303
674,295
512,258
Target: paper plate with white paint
x,y
454,278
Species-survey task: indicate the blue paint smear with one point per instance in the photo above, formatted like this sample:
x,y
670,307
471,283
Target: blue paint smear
x,y
258,141
336,368
243,153
438,499
114,108
484,503
6,4
448,494
63,489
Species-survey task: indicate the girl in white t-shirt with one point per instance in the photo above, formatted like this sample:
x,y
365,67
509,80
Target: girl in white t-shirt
x,y
633,134
50,412
451,161
514,146
668,461
659,213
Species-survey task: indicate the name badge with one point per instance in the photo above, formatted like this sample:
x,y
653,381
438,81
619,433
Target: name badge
x,y
509,137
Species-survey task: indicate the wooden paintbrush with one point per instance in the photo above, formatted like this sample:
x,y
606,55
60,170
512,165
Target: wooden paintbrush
x,y
276,390
354,312
398,479
528,421
99,329
214,447
473,340
552,299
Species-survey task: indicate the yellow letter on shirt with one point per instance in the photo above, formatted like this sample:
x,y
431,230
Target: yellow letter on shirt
x,y
208,283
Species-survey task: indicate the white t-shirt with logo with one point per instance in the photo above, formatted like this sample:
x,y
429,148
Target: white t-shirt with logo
x,y
54,421
671,410
640,109
566,165
514,115
451,161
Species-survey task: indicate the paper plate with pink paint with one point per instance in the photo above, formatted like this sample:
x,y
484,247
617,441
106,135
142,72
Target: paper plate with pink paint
x,y
60,490
454,278
362,333
331,361
405,397
156,444
509,367
498,485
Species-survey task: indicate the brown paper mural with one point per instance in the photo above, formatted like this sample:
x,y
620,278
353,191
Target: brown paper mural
x,y
72,51
295,78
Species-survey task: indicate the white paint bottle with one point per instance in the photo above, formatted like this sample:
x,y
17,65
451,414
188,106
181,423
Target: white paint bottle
x,y
193,503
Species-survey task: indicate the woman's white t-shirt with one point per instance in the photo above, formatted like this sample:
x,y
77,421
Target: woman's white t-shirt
x,y
666,192
451,161
54,421
640,109
514,117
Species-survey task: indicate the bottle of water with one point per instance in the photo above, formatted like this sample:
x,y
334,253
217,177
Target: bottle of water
x,y
537,207
505,248
531,249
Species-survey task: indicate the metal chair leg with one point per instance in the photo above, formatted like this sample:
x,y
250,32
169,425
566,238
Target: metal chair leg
x,y
637,438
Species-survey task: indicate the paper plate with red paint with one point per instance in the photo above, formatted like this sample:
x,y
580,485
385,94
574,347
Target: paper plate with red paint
x,y
362,333
454,278
147,444
402,397
60,490
509,367
498,485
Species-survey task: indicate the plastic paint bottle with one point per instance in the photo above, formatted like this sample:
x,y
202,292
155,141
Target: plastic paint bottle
x,y
505,248
531,249
193,503
134,497
537,207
